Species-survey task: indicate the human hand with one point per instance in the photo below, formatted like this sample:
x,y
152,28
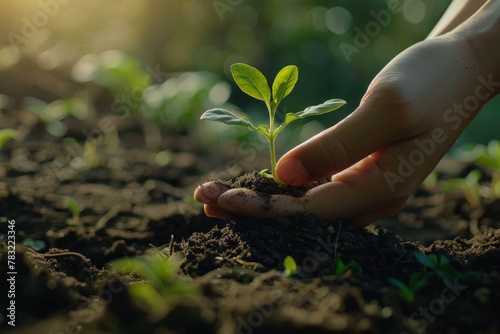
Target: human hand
x,y
411,114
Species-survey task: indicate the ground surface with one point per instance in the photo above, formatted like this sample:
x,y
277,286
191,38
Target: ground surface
x,y
131,204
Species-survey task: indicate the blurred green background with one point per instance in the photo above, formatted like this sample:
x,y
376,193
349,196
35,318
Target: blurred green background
x,y
163,62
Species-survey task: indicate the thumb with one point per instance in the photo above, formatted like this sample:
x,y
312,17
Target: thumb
x,y
377,122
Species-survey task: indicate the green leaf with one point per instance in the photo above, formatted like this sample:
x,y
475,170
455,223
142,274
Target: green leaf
x,y
319,109
251,81
453,184
418,280
443,261
284,82
404,290
473,177
355,267
340,267
263,129
6,134
290,266
73,205
426,261
225,116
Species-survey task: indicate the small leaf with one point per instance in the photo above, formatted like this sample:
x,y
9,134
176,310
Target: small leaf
x,y
453,184
426,261
266,174
418,280
355,267
73,205
473,177
443,261
251,81
290,265
404,290
319,109
284,82
340,267
263,130
6,134
225,116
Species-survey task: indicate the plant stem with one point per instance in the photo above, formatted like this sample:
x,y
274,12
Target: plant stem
x,y
272,137
273,157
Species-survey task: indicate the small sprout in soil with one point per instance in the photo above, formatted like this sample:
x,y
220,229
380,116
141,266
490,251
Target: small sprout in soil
x,y
254,83
7,134
36,245
434,266
468,185
341,268
441,267
75,209
408,291
160,284
290,266
488,158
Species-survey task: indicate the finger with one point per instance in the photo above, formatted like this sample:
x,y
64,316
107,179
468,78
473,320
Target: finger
x,y
209,192
374,124
338,200
389,210
249,203
217,212
364,191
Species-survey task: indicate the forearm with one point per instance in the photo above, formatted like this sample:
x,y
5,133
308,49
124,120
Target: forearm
x,y
457,13
482,31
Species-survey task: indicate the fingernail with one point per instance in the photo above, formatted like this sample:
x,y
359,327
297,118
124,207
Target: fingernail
x,y
292,171
207,194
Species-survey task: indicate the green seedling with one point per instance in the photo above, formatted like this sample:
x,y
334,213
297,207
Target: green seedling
x,y
86,156
160,285
290,266
7,134
434,266
254,83
75,209
341,268
408,291
468,185
487,157
36,245
438,266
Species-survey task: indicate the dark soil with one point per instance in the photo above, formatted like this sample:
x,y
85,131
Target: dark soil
x,y
267,186
131,204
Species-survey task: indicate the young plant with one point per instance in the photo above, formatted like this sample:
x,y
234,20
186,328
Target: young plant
x,y
434,266
408,291
468,185
489,159
75,209
7,134
160,285
254,83
290,266
341,268
36,245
